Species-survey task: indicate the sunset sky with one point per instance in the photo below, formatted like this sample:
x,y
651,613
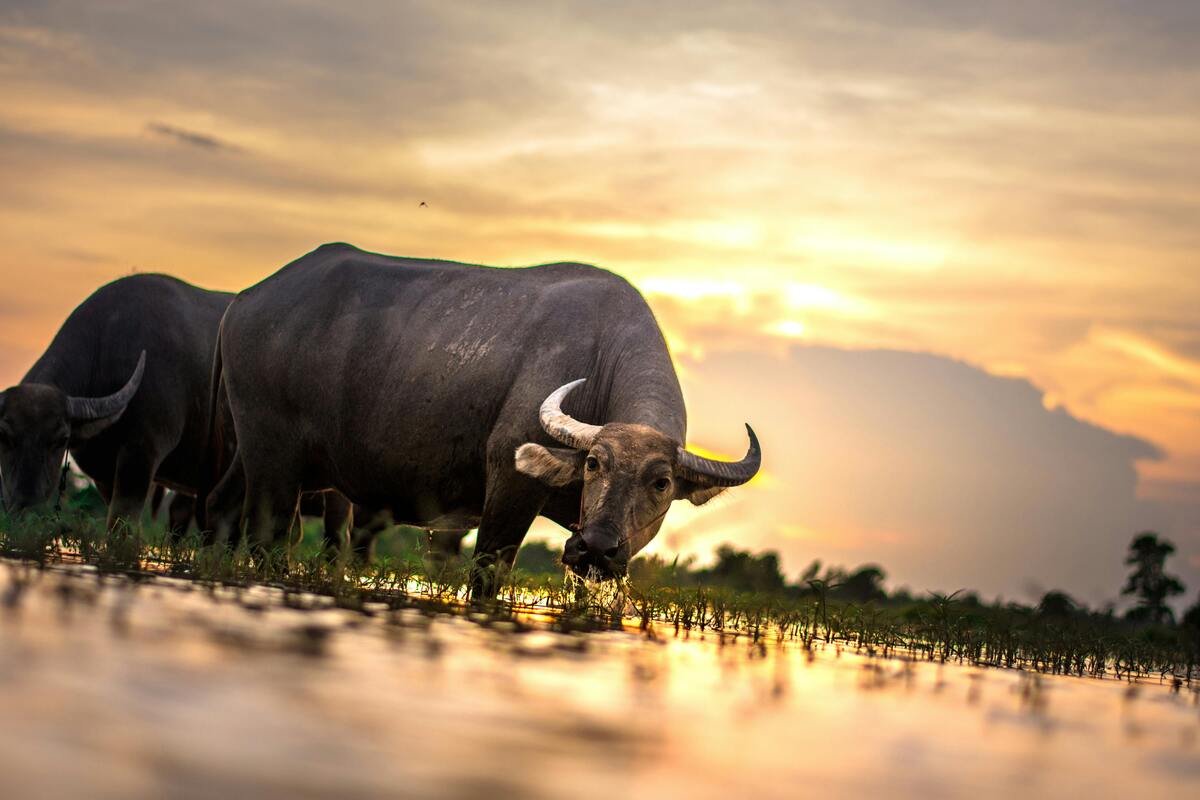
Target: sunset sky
x,y
943,255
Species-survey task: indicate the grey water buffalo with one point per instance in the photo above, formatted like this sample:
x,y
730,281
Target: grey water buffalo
x,y
124,387
451,394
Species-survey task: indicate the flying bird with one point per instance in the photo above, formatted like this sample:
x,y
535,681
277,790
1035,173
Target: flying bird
x,y
422,205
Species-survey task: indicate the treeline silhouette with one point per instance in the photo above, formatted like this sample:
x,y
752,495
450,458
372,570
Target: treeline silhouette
x,y
740,593
1148,584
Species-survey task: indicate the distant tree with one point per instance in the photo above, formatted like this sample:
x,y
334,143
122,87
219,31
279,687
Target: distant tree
x,y
1149,581
738,569
969,599
1057,604
654,569
835,575
1191,618
862,585
400,542
539,558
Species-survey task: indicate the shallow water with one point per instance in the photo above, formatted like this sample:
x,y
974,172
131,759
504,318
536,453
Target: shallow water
x,y
110,689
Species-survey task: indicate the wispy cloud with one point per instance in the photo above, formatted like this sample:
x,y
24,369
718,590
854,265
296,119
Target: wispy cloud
x,y
191,138
1149,352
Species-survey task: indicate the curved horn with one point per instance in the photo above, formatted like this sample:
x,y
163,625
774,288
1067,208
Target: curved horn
x,y
563,427
708,472
80,409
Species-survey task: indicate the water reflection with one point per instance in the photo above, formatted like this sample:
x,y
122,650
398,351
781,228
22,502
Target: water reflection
x,y
164,688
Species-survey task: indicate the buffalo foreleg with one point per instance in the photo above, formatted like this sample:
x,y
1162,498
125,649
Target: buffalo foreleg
x,y
509,508
131,487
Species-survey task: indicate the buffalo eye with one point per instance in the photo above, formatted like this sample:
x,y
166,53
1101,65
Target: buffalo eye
x,y
662,484
592,464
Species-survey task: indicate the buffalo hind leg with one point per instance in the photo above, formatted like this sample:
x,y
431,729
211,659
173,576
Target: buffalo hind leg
x,y
224,505
105,488
367,524
180,513
445,547
272,499
273,460
156,499
178,507
338,519
269,514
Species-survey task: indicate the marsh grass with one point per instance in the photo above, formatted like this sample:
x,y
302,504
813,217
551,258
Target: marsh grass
x,y
942,628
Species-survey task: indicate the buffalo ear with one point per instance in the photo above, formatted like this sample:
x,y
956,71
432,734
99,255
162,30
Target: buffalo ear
x,y
553,466
695,493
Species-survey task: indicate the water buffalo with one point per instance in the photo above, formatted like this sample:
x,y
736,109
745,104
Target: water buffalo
x,y
124,385
415,386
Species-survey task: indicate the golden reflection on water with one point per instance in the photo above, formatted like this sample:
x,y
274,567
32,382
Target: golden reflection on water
x,y
111,689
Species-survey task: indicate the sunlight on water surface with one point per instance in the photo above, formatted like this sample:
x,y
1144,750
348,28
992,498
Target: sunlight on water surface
x,y
165,688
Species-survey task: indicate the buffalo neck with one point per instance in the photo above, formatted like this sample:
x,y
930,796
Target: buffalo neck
x,y
59,369
640,386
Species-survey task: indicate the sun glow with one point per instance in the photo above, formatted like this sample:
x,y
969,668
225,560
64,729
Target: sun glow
x,y
790,328
712,233
693,289
860,248
822,298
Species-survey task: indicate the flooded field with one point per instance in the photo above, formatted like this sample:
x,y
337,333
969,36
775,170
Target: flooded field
x,y
112,688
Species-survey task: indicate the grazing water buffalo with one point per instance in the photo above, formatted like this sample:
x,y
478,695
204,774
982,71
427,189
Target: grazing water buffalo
x,y
124,385
415,386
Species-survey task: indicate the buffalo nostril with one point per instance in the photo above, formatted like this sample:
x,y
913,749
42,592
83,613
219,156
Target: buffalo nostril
x,y
574,551
611,552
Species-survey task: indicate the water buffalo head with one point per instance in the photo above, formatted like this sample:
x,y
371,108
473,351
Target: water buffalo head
x,y
630,474
37,425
